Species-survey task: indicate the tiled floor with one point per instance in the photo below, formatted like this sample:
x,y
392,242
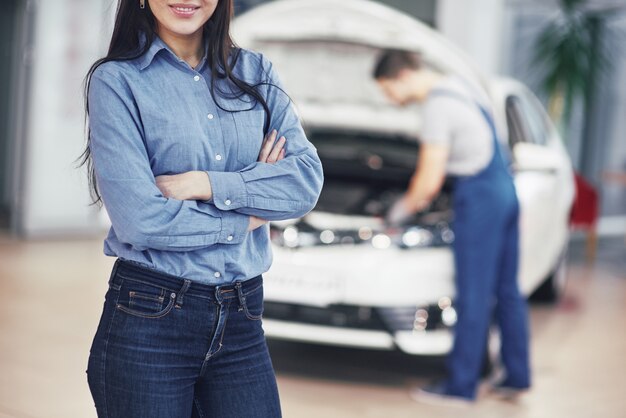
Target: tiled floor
x,y
51,294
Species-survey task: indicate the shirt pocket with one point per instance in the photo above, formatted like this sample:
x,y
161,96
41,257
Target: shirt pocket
x,y
249,125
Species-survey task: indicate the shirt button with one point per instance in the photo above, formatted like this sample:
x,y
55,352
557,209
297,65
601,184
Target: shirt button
x,y
210,116
196,78
229,238
227,202
218,157
217,274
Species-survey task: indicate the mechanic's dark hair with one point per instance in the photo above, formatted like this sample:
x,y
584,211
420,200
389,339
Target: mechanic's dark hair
x,y
392,61
132,23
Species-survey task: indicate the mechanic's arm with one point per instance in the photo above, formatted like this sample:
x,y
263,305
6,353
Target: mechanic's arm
x,y
425,183
140,214
429,176
288,188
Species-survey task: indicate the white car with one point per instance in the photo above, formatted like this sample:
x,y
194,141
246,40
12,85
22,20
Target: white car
x,y
339,275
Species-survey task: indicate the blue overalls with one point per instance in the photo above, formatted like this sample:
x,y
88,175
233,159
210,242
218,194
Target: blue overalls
x,y
486,250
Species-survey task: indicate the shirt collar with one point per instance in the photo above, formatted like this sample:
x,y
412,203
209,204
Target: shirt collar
x,y
158,45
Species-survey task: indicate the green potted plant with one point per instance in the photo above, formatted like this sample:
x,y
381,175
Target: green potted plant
x,y
567,51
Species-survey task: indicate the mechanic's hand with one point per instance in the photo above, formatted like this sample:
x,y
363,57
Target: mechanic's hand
x,y
192,185
255,223
271,150
400,211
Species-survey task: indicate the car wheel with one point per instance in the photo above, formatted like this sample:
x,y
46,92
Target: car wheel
x,y
553,288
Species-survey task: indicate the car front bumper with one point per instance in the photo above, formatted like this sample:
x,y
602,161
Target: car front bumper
x,y
433,342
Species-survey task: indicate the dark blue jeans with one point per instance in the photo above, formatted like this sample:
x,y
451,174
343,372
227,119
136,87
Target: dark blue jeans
x,y
171,348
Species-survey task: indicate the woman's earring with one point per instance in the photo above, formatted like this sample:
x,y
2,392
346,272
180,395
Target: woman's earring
x,y
142,4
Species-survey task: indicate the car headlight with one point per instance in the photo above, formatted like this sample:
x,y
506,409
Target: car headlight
x,y
417,237
290,236
303,235
327,236
441,315
381,241
448,316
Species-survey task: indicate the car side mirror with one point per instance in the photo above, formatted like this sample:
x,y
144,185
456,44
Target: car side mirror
x,y
533,157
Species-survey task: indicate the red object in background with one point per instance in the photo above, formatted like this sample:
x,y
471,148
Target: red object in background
x,y
585,209
584,213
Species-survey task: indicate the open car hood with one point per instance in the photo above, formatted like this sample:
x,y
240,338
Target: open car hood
x,y
325,51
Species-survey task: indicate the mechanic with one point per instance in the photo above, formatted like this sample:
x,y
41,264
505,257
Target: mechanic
x,y
458,137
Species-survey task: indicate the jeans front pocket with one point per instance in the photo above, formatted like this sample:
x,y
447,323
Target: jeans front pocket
x,y
145,300
253,305
249,124
140,301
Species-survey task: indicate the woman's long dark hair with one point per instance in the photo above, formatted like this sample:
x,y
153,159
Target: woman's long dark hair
x,y
132,22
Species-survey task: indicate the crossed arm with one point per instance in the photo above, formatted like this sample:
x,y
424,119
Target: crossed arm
x,y
174,214
196,185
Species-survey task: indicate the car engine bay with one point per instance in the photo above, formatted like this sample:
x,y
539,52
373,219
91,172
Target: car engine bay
x,y
365,173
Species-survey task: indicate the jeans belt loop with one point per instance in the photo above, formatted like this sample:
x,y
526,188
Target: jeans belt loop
x,y
218,294
114,270
242,298
181,292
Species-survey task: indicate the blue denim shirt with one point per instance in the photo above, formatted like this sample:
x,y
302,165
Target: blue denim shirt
x,y
155,115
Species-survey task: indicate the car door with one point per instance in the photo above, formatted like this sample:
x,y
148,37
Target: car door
x,y
540,167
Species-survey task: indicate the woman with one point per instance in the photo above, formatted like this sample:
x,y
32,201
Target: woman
x,y
183,152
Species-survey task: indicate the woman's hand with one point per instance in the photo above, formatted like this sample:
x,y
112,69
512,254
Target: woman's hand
x,y
196,185
192,185
271,150
255,223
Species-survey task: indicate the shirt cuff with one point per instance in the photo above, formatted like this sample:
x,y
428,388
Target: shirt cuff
x,y
229,190
234,228
209,200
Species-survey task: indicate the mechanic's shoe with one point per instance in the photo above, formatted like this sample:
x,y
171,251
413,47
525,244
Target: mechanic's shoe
x,y
508,393
437,394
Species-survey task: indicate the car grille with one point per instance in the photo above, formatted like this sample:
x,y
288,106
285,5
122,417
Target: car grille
x,y
342,316
357,317
404,318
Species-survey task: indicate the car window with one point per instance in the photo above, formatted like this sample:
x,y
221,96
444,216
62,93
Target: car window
x,y
526,119
516,123
537,118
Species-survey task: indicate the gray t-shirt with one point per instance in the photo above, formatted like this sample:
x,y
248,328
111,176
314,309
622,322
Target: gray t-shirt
x,y
459,124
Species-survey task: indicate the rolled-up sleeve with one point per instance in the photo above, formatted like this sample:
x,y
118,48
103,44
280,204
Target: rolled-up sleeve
x,y
287,189
140,215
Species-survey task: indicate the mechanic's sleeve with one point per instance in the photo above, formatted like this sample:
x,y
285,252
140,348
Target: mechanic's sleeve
x,y
438,122
139,213
283,190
